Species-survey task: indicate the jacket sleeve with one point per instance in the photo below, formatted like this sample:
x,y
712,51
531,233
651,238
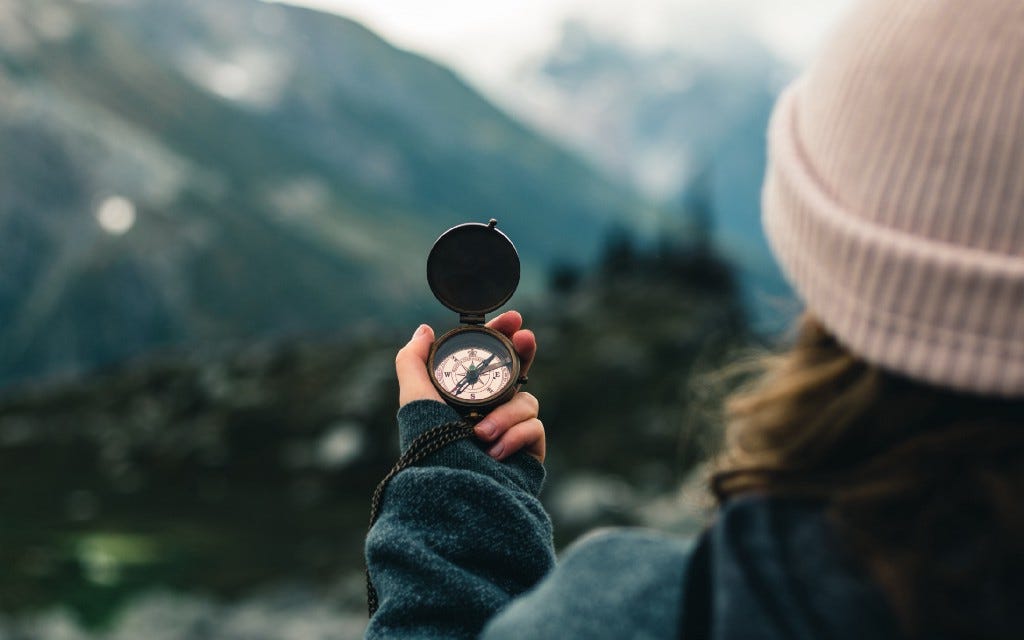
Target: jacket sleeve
x,y
458,537
616,583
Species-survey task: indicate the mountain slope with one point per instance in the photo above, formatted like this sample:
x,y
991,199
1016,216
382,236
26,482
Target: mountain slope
x,y
268,170
682,122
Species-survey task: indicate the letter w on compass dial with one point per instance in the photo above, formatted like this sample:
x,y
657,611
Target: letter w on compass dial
x,y
474,369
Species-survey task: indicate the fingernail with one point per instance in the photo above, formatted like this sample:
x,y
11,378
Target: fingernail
x,y
486,429
420,331
496,450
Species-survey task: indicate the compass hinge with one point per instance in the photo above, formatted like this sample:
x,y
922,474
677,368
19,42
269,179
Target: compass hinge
x,y
471,318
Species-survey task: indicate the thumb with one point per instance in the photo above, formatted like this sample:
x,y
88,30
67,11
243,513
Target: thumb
x,y
411,367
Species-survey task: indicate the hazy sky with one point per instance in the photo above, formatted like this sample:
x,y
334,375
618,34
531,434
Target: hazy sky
x,y
487,40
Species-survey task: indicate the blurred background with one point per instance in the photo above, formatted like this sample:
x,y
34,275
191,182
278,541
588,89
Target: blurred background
x,y
214,223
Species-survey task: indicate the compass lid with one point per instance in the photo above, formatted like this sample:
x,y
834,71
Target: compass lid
x,y
473,268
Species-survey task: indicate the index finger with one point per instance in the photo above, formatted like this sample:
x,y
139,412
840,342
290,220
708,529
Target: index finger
x,y
526,346
507,323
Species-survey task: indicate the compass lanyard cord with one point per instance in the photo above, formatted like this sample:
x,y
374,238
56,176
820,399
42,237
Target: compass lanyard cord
x,y
425,444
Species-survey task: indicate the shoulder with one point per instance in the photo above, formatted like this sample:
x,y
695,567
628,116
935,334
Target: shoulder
x,y
779,570
611,583
620,548
773,538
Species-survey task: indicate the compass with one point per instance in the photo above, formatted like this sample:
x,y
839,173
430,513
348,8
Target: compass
x,y
473,269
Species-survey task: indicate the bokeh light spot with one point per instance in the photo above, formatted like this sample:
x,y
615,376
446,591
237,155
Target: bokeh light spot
x,y
116,215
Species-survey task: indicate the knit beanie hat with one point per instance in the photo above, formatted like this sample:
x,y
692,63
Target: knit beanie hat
x,y
894,198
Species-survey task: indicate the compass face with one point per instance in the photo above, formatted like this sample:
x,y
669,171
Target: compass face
x,y
472,366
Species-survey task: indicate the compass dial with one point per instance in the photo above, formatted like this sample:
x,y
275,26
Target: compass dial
x,y
473,366
473,374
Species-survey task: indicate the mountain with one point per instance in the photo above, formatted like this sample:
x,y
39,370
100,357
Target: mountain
x,y
189,173
683,123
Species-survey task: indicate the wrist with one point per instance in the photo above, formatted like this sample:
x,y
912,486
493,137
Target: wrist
x,y
419,416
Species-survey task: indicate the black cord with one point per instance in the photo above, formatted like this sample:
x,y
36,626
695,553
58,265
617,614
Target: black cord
x,y
425,444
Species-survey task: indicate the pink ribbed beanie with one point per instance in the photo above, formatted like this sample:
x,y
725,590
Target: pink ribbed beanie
x,y
894,197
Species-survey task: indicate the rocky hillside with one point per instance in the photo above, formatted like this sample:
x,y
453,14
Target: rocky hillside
x,y
227,475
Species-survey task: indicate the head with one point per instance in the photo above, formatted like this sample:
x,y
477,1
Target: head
x,y
894,202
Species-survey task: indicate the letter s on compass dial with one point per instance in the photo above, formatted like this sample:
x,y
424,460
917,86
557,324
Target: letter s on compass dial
x,y
475,367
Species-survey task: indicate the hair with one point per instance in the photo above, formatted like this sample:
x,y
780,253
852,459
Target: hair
x,y
924,485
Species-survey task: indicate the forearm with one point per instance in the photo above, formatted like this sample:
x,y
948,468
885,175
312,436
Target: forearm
x,y
458,537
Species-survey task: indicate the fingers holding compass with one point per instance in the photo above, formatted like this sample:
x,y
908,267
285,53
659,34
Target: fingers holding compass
x,y
510,323
507,323
514,426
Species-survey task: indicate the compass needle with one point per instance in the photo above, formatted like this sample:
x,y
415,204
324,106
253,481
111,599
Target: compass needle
x,y
497,365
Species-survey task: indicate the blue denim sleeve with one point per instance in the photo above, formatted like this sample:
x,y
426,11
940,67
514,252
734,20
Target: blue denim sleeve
x,y
458,537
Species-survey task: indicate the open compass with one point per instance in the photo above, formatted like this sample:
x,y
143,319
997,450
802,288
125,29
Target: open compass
x,y
473,269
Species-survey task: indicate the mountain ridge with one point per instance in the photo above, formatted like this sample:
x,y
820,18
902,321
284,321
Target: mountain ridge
x,y
283,180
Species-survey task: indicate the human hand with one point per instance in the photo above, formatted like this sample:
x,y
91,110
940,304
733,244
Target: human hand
x,y
509,427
